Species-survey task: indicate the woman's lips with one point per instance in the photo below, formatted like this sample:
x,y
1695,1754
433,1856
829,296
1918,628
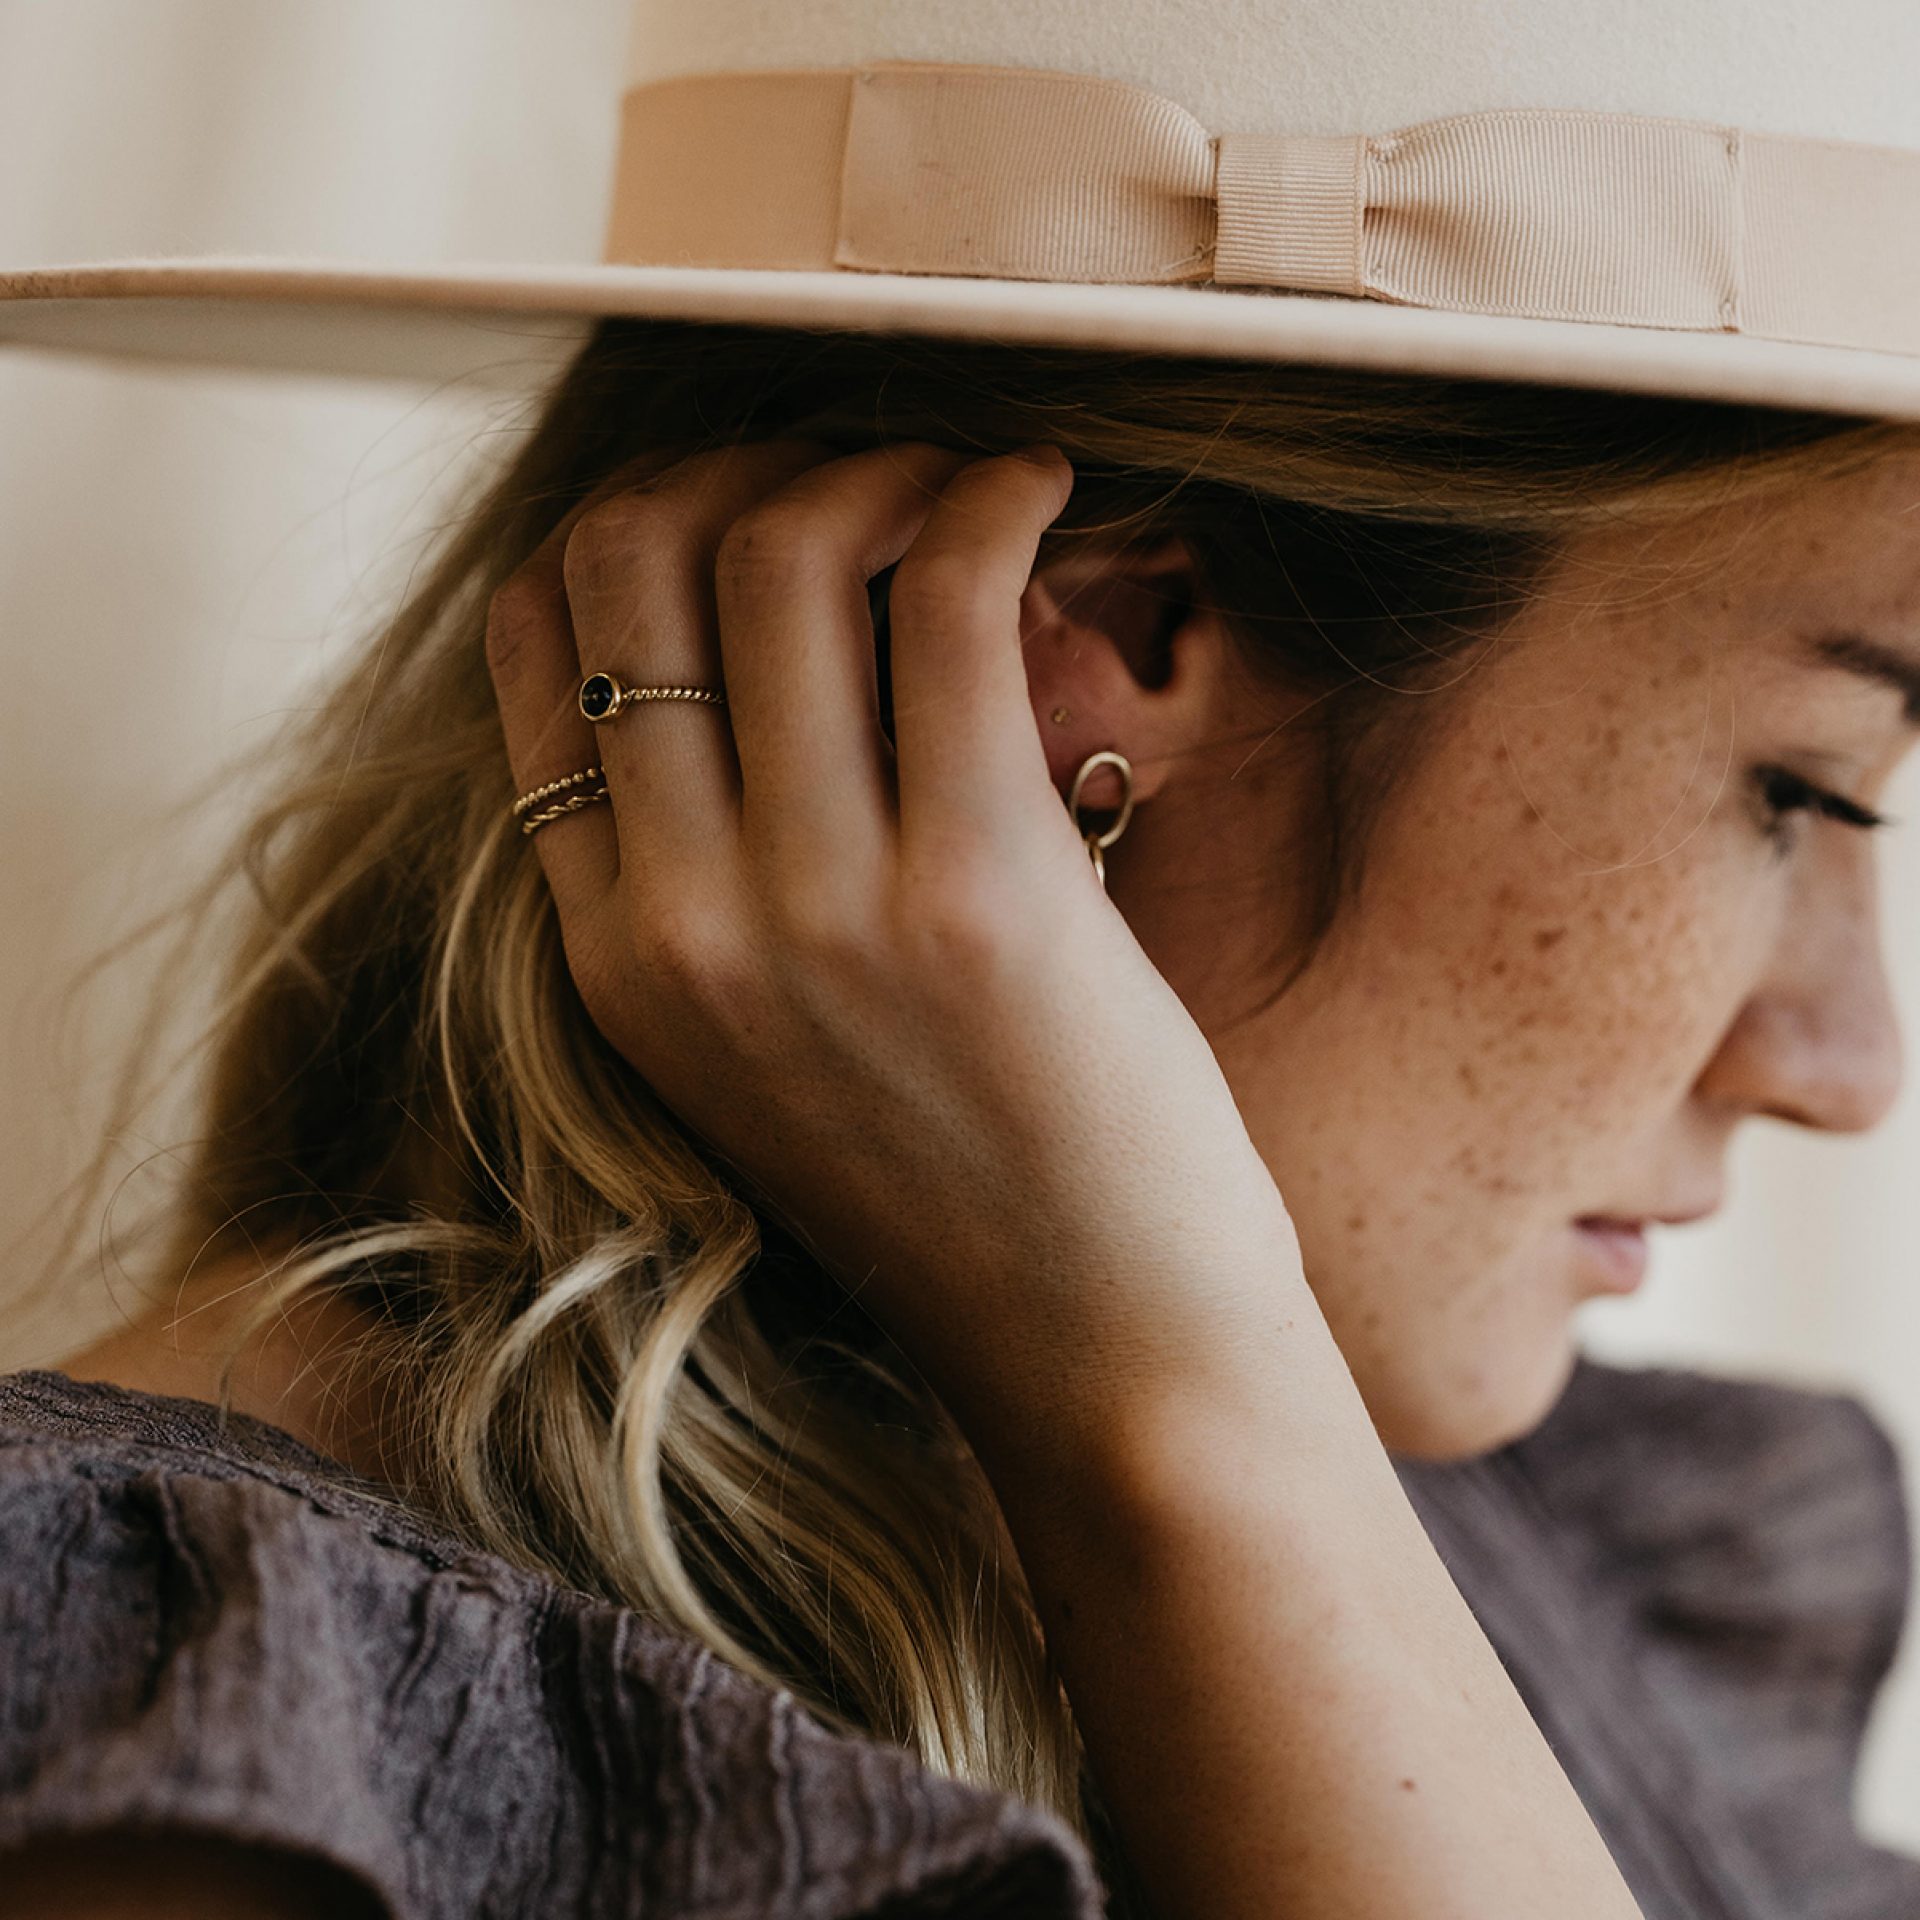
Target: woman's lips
x,y
1616,1251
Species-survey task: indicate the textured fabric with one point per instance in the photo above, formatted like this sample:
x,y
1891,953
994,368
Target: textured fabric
x,y
1697,1585
1039,174
222,1632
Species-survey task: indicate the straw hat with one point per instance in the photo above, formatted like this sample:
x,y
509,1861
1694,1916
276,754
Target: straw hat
x,y
1719,198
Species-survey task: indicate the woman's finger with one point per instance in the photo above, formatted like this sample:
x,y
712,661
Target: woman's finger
x,y
536,681
796,637
535,668
968,754
639,577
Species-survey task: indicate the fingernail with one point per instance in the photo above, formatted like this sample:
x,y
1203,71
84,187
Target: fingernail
x,y
1042,453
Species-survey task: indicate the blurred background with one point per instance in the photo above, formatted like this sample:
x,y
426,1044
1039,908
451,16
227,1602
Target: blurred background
x,y
185,549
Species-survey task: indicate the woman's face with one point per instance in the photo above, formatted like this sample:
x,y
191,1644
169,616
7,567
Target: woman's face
x,y
1580,959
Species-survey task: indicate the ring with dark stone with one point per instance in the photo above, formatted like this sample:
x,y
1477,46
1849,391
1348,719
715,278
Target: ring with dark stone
x,y
601,696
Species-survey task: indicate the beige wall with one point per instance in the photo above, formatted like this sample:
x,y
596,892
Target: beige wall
x,y
183,550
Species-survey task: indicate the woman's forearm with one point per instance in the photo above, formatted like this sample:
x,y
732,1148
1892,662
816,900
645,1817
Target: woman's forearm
x,y
1288,1707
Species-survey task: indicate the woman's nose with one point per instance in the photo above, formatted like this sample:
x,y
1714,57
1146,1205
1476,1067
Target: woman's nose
x,y
1818,1041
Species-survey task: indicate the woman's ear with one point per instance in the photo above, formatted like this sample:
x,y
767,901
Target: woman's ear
x,y
1121,654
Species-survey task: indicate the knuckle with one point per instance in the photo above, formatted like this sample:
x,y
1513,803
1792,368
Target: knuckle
x,y
958,925
515,613
609,542
773,544
660,965
695,956
948,583
831,930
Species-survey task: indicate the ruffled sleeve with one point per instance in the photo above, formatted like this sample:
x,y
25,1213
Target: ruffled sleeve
x,y
1698,1585
1755,1537
191,1639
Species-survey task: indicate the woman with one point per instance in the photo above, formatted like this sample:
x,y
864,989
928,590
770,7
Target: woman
x,y
797,1225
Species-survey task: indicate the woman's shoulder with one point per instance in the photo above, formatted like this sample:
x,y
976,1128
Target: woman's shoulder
x,y
210,1627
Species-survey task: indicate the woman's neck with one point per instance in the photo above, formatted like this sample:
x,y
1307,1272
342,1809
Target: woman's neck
x,y
302,1372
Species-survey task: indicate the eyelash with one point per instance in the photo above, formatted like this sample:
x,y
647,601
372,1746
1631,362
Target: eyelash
x,y
1784,793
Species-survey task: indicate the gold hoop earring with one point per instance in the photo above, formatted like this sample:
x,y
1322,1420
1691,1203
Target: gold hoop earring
x,y
1098,841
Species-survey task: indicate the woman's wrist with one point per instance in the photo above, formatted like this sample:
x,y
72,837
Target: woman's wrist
x,y
1122,1442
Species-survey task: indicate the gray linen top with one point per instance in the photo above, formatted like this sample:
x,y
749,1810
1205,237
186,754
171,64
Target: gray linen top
x,y
1697,1584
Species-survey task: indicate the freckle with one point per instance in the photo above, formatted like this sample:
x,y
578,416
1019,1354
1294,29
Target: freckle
x,y
1468,1078
1497,968
1355,1221
1548,938
1407,1786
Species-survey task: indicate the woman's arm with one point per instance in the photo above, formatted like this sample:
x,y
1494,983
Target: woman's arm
x,y
1287,1705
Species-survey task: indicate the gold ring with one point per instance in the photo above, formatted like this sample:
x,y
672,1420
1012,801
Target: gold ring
x,y
603,696
571,804
553,786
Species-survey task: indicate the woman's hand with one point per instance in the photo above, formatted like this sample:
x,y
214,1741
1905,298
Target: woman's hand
x,y
883,980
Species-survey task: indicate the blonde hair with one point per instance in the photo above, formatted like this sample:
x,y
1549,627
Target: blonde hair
x,y
614,1371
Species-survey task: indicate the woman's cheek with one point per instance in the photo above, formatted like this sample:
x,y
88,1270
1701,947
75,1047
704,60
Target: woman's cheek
x,y
1574,992
1658,962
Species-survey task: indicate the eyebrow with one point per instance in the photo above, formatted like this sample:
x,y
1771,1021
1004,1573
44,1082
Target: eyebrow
x,y
1872,660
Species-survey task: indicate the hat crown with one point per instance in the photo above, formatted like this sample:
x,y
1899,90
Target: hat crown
x,y
1846,70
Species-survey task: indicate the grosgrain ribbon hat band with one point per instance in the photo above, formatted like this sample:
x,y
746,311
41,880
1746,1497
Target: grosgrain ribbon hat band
x,y
1031,173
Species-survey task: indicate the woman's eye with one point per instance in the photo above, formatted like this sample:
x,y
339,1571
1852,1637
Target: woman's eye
x,y
1784,793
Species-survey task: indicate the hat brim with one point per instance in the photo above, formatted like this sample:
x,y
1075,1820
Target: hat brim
x,y
493,327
